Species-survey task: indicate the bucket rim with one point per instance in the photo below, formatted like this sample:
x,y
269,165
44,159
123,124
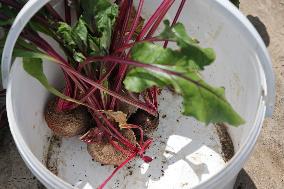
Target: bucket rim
x,y
49,179
265,103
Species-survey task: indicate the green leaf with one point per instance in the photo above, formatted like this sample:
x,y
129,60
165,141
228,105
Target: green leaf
x,y
100,17
93,45
189,47
30,54
200,100
92,33
79,34
150,53
20,44
23,44
33,66
99,13
9,12
6,22
33,55
40,28
75,39
65,32
79,57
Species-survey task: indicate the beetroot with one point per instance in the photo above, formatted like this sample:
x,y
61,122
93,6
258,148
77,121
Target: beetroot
x,y
145,120
105,153
67,123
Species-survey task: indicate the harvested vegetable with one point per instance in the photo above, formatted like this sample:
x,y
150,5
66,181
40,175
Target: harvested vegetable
x,y
67,123
116,64
104,152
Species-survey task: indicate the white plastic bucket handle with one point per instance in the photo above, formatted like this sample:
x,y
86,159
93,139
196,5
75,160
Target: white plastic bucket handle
x,y
33,6
24,16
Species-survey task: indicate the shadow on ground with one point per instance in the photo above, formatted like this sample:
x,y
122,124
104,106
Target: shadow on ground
x,y
244,181
14,173
261,28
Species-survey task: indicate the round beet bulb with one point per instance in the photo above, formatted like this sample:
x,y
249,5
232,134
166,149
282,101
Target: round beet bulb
x,y
146,121
104,152
67,123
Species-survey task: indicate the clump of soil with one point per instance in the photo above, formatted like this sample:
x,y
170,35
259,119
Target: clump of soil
x,y
104,152
67,123
52,153
226,142
146,121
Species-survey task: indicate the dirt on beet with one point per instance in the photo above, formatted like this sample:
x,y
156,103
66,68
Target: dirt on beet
x,y
67,123
104,152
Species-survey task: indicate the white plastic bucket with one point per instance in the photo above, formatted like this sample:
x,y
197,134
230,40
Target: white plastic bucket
x,y
243,67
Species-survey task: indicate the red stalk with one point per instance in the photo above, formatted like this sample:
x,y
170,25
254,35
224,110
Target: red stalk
x,y
117,169
92,90
63,104
146,66
128,62
122,71
116,133
126,20
88,87
159,19
42,44
152,20
163,8
86,138
153,91
67,12
147,159
123,140
147,99
131,126
123,68
110,92
166,44
121,23
129,45
136,21
53,12
92,101
155,96
119,148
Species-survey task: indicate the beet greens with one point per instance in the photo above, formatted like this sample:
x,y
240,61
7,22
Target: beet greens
x,y
114,56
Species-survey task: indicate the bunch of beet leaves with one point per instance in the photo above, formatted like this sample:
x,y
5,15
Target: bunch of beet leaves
x,y
115,64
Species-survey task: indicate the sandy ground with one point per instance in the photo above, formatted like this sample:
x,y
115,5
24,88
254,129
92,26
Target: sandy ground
x,y
264,170
14,173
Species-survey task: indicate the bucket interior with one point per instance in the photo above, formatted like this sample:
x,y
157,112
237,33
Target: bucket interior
x,y
185,151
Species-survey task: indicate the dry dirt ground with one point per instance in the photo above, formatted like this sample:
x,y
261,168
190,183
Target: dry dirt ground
x,y
264,170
